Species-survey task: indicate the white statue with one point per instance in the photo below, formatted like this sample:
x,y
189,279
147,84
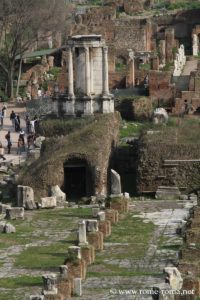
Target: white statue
x,y
195,40
195,46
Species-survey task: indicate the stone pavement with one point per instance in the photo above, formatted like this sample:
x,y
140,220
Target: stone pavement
x,y
162,252
191,65
13,157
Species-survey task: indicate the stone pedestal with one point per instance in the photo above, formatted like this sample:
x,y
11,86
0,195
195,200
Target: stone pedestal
x,y
105,228
50,281
88,254
92,225
74,250
101,216
96,240
88,106
112,215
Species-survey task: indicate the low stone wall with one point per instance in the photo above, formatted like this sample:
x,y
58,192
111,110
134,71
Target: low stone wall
x,y
168,164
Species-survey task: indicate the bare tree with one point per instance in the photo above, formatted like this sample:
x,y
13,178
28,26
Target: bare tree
x,y
21,21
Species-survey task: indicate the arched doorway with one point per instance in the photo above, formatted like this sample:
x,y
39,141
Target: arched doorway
x,y
78,180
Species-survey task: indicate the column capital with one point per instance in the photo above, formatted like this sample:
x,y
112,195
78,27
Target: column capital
x,y
86,49
105,49
69,49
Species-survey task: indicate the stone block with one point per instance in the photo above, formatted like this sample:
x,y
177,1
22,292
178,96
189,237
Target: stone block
x,y
3,208
192,283
121,205
59,195
25,197
101,216
167,193
9,228
78,287
2,226
47,202
105,228
38,141
112,215
96,240
36,297
14,213
77,270
50,281
75,251
87,254
126,195
92,225
95,211
64,289
173,276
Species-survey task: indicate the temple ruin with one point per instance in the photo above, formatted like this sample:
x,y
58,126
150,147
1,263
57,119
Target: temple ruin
x,y
88,86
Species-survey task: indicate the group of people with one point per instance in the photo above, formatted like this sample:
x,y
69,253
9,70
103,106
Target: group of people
x,y
16,124
15,119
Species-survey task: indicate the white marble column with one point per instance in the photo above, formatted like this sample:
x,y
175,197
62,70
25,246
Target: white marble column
x,y
131,56
70,73
91,72
69,104
87,71
105,73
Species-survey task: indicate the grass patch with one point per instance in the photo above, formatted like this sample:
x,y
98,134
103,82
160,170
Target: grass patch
x,y
129,240
130,129
20,282
133,231
122,272
45,257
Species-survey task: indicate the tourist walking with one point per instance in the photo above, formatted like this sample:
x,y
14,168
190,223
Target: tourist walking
x,y
9,142
1,119
2,152
31,140
4,110
12,118
20,146
17,123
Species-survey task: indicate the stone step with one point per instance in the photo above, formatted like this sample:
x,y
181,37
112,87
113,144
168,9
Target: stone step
x,y
167,192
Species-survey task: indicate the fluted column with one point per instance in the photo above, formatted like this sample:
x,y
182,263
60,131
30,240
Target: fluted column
x,y
70,73
105,71
91,73
87,71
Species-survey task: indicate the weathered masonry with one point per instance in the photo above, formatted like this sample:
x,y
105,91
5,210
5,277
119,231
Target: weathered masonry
x,y
88,85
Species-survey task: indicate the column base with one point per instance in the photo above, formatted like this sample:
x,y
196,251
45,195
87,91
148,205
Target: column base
x,y
108,104
88,106
83,244
70,106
